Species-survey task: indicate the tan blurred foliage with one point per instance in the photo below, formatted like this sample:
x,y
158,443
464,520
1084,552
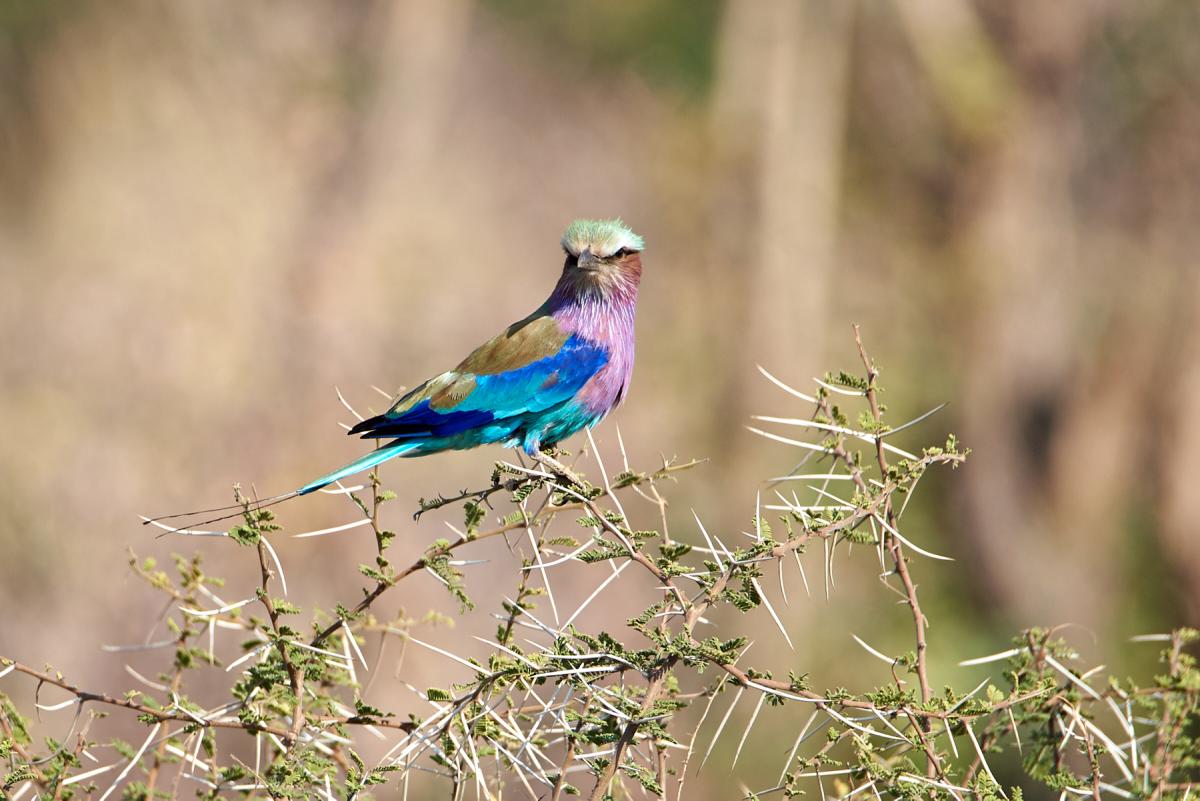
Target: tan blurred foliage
x,y
213,213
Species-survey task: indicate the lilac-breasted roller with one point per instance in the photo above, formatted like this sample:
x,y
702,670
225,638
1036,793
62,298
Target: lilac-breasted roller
x,y
542,379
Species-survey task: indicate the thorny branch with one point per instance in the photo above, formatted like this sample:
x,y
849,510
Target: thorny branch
x,y
896,549
551,700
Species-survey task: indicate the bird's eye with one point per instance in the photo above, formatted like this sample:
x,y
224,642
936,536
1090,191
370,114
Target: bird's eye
x,y
572,259
622,253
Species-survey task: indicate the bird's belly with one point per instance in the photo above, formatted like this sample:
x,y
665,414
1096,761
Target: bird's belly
x,y
604,390
555,425
530,430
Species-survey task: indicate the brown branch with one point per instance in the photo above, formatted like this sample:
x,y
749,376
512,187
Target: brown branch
x,y
653,691
382,586
1093,762
162,715
39,775
1168,729
295,674
478,496
569,754
176,681
894,546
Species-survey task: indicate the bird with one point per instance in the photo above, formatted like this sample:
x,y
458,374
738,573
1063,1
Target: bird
x,y
556,371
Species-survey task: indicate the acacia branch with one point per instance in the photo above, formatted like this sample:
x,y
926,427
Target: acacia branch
x,y
163,715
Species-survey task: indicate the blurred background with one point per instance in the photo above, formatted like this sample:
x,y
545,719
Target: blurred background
x,y
211,214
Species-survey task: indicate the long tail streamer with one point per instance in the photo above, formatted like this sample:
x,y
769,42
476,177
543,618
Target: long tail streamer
x,y
365,462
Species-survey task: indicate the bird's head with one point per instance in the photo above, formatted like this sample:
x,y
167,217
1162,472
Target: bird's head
x,y
602,256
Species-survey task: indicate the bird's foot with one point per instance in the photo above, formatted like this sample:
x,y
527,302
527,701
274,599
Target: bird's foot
x,y
559,469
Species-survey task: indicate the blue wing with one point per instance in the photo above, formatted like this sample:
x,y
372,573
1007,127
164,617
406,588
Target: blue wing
x,y
516,388
462,408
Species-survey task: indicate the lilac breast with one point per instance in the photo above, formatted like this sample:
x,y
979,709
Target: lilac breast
x,y
608,323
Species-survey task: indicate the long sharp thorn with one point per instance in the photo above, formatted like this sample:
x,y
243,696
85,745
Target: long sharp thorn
x,y
796,745
914,421
767,603
721,726
795,392
345,403
746,733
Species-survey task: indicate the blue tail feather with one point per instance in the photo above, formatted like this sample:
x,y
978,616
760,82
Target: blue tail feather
x,y
358,465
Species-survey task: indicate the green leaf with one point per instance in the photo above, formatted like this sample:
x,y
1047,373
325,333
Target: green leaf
x,y
244,535
20,774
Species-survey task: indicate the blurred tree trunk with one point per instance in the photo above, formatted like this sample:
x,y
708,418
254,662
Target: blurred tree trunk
x,y
1179,440
327,219
397,61
1043,483
778,127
